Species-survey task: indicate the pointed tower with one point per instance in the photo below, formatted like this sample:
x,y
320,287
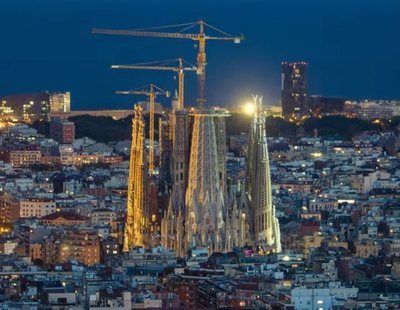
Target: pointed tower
x,y
258,184
205,194
180,157
136,218
165,150
168,230
176,105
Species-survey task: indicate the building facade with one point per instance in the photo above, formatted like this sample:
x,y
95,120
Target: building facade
x,y
9,209
34,106
23,156
36,207
81,246
62,131
60,102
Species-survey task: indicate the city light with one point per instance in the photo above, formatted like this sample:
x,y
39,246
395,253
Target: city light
x,y
249,108
316,154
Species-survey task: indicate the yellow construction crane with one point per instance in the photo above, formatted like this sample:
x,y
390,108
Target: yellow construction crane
x,y
165,65
151,91
201,37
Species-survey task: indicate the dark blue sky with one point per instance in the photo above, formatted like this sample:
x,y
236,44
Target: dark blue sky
x,y
352,46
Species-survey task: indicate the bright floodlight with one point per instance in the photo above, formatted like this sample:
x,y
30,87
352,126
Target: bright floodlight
x,y
249,108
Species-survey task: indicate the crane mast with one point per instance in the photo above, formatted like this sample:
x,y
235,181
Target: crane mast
x,y
201,65
201,37
152,92
165,66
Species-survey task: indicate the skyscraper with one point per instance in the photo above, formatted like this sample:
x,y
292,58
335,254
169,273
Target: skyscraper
x,y
136,220
60,102
265,225
294,89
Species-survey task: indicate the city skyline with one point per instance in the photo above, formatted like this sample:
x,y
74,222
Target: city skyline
x,y
208,200
349,49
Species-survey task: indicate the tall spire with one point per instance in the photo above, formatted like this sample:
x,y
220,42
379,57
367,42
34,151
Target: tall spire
x,y
205,195
175,102
135,217
258,184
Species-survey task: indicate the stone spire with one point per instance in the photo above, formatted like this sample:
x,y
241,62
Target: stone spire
x,y
205,194
258,184
136,219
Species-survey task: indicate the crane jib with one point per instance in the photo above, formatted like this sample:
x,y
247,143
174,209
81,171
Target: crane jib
x,y
177,35
146,33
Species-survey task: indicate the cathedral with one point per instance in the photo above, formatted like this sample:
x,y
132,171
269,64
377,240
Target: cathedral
x,y
203,210
213,215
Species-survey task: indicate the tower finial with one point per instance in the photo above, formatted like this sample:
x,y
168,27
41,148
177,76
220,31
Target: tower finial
x,y
257,101
138,111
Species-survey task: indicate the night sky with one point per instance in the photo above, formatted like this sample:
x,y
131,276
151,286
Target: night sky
x,y
352,46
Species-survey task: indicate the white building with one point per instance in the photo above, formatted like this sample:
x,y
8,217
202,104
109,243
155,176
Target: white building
x,y
103,216
78,144
24,184
312,298
382,109
36,207
67,155
8,247
340,292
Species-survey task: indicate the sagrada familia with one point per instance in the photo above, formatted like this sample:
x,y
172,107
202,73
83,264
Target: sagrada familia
x,y
203,209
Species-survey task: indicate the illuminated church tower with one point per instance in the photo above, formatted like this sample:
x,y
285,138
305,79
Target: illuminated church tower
x,y
258,184
135,218
205,213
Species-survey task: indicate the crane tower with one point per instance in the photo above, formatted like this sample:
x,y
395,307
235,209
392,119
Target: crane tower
x,y
201,37
152,91
165,65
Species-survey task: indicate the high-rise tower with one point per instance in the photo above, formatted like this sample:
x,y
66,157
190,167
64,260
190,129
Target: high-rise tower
x,y
294,89
258,184
205,194
136,219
